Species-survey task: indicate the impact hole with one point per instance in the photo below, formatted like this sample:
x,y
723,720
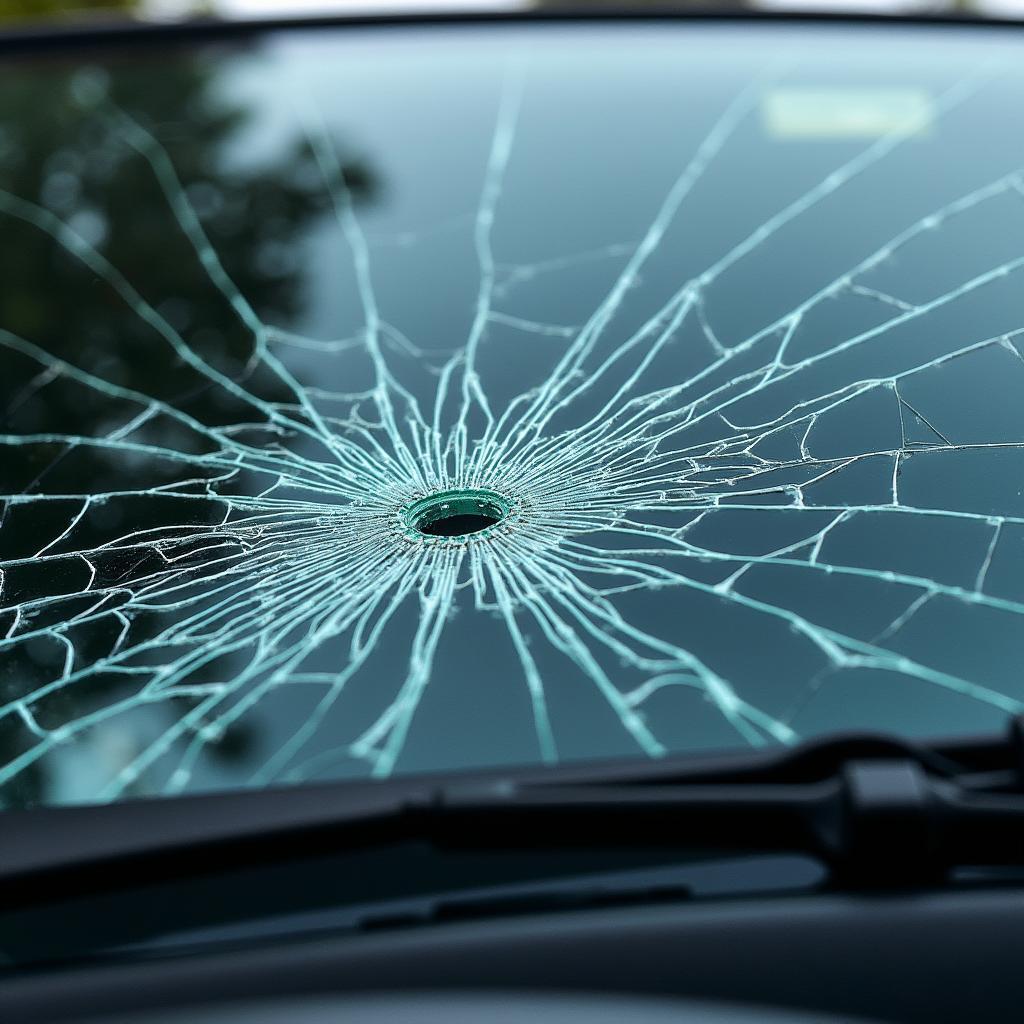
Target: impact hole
x,y
457,525
456,513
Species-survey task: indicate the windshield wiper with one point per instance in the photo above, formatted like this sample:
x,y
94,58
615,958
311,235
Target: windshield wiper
x,y
877,810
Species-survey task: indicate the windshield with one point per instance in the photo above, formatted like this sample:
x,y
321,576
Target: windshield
x,y
391,400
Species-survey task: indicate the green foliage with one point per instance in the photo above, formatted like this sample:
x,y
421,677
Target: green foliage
x,y
12,10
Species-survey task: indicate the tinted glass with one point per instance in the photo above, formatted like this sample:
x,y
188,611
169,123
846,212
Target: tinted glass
x,y
394,400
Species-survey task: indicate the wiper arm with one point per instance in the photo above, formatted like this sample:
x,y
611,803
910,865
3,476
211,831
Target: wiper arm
x,y
877,810
874,823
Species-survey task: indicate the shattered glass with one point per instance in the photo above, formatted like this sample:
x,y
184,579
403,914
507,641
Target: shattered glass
x,y
712,335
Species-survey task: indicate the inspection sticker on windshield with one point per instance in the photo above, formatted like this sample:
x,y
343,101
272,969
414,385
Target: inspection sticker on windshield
x,y
846,113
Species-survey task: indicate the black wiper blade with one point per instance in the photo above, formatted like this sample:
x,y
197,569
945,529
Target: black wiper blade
x,y
878,810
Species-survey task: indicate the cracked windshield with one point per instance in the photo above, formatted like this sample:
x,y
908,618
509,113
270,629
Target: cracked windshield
x,y
395,400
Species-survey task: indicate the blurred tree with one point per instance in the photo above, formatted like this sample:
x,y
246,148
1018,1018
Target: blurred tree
x,y
40,9
257,204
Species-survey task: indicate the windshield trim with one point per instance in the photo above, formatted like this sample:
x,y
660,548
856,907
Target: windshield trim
x,y
35,37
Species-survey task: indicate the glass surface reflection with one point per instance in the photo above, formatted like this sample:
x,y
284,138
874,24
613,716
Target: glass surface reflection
x,y
720,328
